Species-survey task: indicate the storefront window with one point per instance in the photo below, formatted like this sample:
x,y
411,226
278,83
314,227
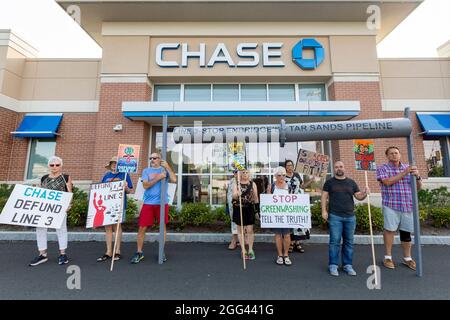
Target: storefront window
x,y
253,92
434,158
281,92
226,92
197,92
167,93
41,150
219,184
312,92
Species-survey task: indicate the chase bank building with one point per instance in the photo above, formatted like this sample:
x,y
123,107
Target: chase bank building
x,y
231,62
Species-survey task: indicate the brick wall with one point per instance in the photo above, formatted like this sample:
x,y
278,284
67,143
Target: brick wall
x,y
110,113
368,93
76,144
8,121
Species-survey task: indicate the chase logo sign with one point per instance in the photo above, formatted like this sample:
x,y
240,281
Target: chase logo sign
x,y
308,44
239,55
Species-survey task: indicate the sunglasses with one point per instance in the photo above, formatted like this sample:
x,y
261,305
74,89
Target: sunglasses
x,y
54,165
154,158
281,175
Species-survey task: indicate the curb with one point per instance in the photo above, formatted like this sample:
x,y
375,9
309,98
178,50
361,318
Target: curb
x,y
203,237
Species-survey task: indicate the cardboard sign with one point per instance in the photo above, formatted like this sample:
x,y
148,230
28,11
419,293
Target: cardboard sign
x,y
312,163
364,155
105,204
236,156
285,211
36,207
128,158
171,189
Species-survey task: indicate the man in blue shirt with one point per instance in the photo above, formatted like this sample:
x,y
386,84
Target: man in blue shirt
x,y
152,181
111,176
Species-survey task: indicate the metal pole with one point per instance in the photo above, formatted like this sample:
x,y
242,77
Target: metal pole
x,y
163,194
415,201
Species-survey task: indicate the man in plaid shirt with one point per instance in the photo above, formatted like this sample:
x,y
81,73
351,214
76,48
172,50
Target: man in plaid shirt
x,y
395,178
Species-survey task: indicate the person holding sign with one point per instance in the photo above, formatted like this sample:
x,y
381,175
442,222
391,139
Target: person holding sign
x,y
296,184
338,193
111,176
282,235
396,194
56,180
151,180
249,197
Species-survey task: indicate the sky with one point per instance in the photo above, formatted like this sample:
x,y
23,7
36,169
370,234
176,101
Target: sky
x,y
44,25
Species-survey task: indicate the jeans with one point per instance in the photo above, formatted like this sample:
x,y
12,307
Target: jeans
x,y
341,227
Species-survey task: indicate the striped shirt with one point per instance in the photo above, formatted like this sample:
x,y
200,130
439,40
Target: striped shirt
x,y
397,196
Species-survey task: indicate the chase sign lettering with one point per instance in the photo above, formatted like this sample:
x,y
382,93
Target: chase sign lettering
x,y
240,55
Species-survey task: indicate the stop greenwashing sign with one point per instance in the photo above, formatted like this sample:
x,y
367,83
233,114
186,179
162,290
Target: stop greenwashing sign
x,y
285,211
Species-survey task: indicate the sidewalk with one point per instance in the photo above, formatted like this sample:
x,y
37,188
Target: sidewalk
x,y
203,237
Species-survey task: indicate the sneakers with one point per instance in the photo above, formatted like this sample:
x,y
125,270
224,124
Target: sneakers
x,y
333,270
410,264
138,257
62,259
38,260
388,263
251,255
164,257
349,270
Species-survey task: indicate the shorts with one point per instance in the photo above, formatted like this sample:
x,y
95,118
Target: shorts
x,y
150,212
396,220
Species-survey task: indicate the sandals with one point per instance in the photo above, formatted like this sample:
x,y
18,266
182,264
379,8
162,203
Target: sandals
x,y
280,260
287,261
103,258
291,247
117,257
231,247
298,248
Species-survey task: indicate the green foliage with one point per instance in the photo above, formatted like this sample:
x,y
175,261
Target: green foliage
x,y
131,211
2,203
173,214
316,214
77,214
196,214
434,198
441,217
362,217
220,214
437,171
6,190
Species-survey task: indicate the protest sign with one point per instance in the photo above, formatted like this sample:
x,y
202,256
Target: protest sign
x,y
105,204
312,163
236,156
285,211
128,158
364,155
36,207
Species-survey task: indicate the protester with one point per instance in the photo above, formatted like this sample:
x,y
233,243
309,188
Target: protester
x,y
248,199
338,193
296,186
111,176
152,181
396,193
56,180
234,231
282,235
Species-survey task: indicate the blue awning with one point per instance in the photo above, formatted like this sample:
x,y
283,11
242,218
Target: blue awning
x,y
38,126
435,124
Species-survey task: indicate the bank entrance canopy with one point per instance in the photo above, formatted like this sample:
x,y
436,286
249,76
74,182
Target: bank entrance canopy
x,y
218,113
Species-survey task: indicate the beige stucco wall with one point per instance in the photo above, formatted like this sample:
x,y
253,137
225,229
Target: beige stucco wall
x,y
125,55
353,54
415,78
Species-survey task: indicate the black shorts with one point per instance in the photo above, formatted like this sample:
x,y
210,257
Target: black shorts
x,y
248,215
